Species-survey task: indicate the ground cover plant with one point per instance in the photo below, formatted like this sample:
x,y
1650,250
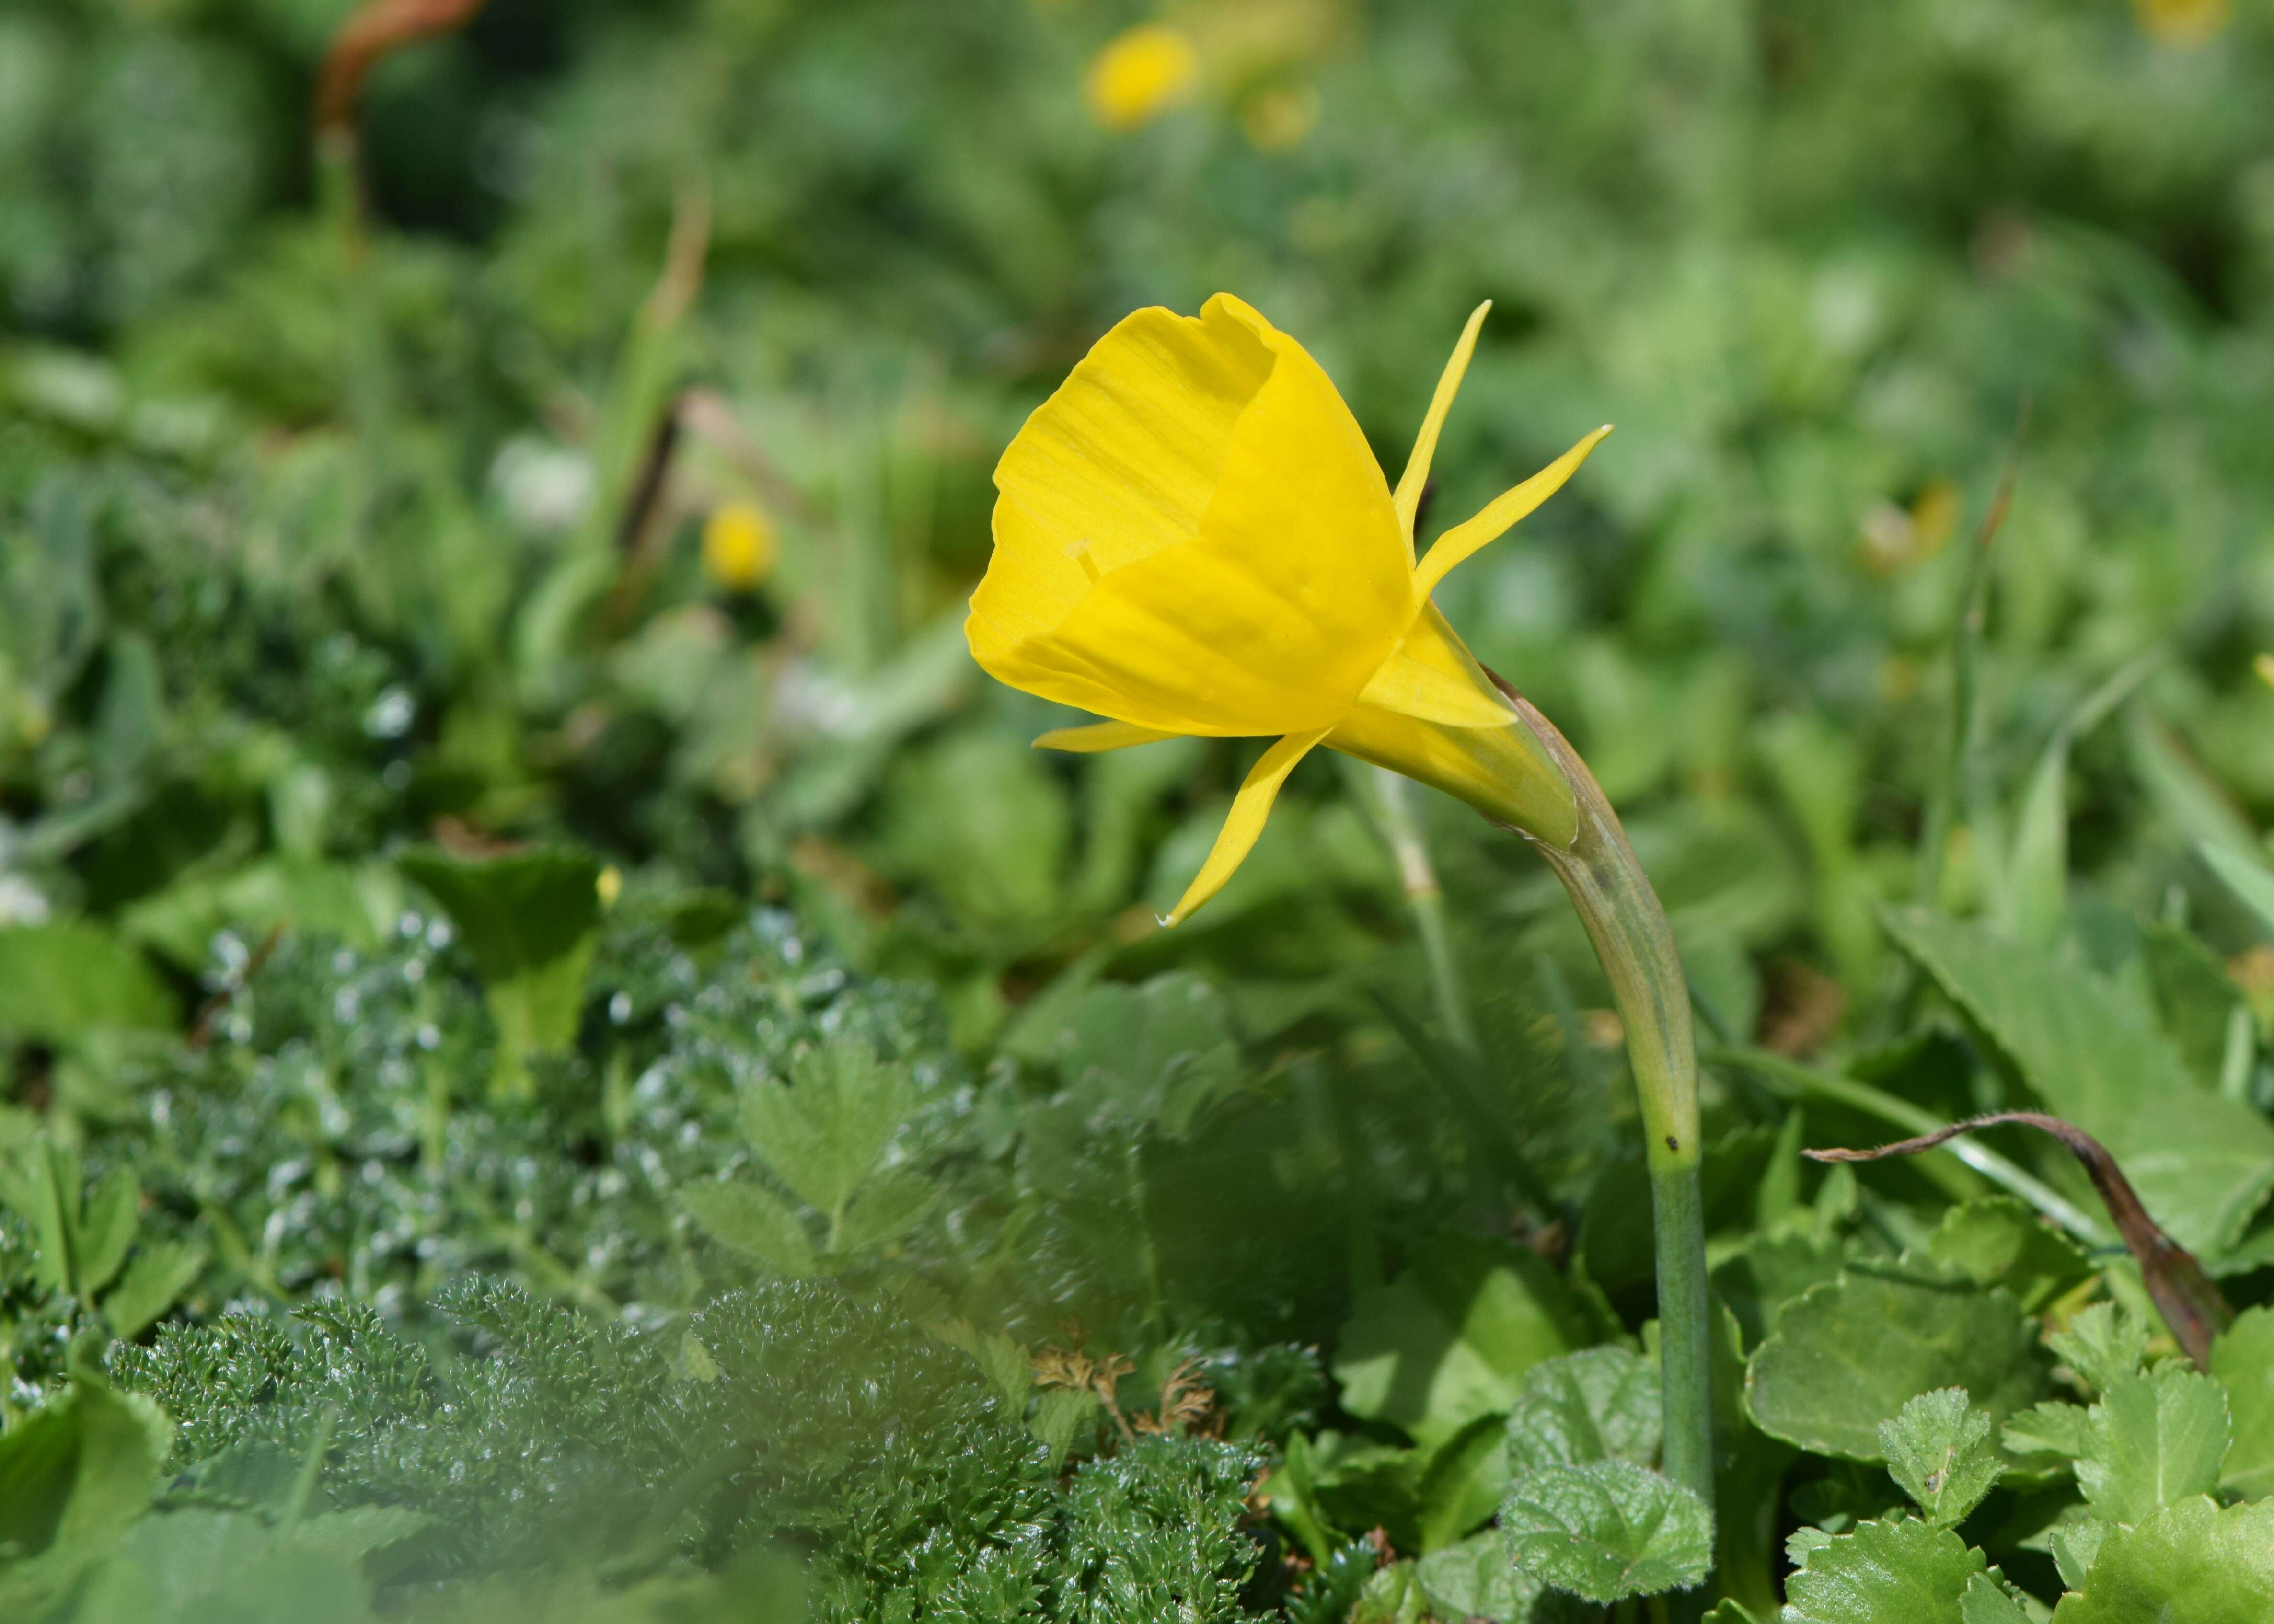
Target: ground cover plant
x,y
560,1054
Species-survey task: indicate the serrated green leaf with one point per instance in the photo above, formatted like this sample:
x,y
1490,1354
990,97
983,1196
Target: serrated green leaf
x,y
2103,1344
106,1229
825,1130
1938,1447
2202,1163
1060,1413
882,1209
2001,1242
2189,1563
1899,1572
160,1273
73,1476
751,1219
2075,1546
2158,1438
1985,1601
1450,1340
2242,1358
1462,1484
1850,1355
1598,1404
1608,1530
2050,1428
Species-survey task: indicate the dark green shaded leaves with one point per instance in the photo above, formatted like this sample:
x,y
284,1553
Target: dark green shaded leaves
x,y
1850,1355
2202,1163
1450,1340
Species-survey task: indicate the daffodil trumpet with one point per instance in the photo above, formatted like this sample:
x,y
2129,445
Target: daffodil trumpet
x,y
1193,538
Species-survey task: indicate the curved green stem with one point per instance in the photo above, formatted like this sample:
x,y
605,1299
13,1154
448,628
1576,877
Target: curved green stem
x,y
1627,925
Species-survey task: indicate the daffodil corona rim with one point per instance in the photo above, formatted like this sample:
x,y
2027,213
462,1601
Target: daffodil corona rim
x,y
1193,538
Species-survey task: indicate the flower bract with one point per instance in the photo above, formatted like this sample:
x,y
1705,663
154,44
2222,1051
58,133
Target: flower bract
x,y
1192,537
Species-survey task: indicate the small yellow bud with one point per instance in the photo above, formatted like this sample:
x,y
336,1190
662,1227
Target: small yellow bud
x,y
2181,24
1140,76
610,885
2264,666
739,546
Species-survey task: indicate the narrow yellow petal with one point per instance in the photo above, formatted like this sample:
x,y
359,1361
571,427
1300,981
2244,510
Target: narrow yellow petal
x,y
1499,514
1416,477
1434,678
1099,736
1249,808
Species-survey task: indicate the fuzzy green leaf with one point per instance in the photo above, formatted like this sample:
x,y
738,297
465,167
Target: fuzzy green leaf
x,y
2052,1428
1938,1450
2190,1562
1899,1572
1476,1580
1608,1530
2158,1438
1985,1601
2000,1241
1850,1355
160,1273
1598,1404
2243,1360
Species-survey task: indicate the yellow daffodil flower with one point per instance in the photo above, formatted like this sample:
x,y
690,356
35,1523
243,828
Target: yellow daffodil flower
x,y
1140,75
739,546
1192,537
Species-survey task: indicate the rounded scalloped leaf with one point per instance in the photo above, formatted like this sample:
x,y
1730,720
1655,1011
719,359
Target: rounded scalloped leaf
x,y
2190,1561
1850,1354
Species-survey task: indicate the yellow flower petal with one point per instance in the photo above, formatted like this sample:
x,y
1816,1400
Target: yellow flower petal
x,y
1433,678
1498,515
1416,477
739,546
1192,535
1249,809
1098,736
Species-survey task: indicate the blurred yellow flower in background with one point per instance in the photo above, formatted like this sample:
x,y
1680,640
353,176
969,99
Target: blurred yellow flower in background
x,y
1140,75
2181,23
1278,117
1193,537
2263,665
739,546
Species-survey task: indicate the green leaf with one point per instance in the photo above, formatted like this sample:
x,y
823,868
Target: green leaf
x,y
194,1566
73,1475
2190,1562
1463,1483
1475,1579
750,1219
2103,1344
1161,1053
824,1131
1599,1404
2251,881
60,982
980,817
2158,1438
1608,1530
883,1209
1938,1450
2075,1546
2202,1163
2000,1241
160,1273
107,1224
1985,1601
2052,1428
530,920
1850,1355
1452,1337
2242,1358
1899,1572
